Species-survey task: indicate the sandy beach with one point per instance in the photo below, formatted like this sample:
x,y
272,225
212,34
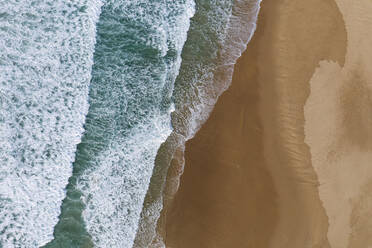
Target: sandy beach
x,y
285,158
338,130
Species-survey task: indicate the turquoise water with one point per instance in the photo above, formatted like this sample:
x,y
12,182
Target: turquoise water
x,y
129,63
136,60
46,55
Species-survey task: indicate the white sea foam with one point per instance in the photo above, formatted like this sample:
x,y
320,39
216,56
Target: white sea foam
x,y
45,68
132,84
115,189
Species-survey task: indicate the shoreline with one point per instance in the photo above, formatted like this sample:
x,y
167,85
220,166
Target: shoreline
x,y
248,176
197,88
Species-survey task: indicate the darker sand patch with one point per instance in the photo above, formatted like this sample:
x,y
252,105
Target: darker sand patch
x,y
361,219
357,118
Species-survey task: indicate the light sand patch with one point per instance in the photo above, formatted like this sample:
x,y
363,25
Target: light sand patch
x,y
338,128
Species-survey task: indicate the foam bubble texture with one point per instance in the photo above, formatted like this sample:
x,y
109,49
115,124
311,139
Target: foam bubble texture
x,y
136,61
45,68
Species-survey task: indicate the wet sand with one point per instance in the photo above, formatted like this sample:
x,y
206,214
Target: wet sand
x,y
251,176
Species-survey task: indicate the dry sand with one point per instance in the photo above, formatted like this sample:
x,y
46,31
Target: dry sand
x,y
251,175
338,130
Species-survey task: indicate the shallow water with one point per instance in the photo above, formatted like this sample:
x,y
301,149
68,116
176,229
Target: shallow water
x,y
136,61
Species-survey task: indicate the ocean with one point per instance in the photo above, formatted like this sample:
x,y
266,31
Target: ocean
x,y
95,99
